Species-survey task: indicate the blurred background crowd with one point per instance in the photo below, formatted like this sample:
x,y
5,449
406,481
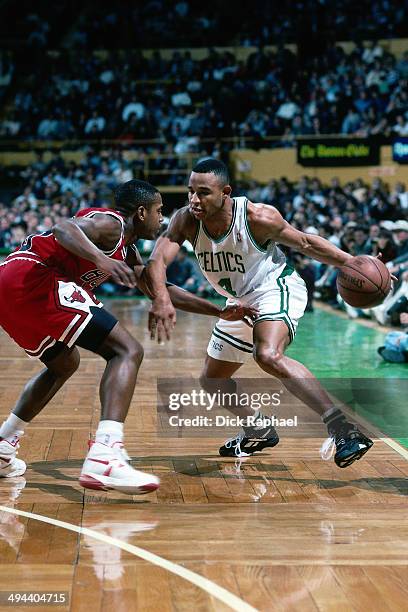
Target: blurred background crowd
x,y
121,80
268,99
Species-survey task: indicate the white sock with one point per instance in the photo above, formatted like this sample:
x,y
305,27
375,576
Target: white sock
x,y
12,426
109,432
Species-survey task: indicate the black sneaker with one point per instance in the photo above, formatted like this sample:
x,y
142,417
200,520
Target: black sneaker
x,y
249,441
349,445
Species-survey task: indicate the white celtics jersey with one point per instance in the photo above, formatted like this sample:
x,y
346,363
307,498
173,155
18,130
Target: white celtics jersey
x,y
234,264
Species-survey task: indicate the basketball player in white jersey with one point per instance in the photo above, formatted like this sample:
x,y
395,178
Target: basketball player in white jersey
x,y
236,244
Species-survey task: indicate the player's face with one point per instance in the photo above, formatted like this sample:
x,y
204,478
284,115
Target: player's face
x,y
152,220
206,194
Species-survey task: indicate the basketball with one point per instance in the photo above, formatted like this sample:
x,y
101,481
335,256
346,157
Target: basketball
x,y
364,281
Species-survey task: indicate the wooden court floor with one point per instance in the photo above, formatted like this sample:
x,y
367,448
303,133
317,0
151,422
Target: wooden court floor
x,y
280,531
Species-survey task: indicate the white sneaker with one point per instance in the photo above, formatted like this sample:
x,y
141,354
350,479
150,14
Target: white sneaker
x,y
106,467
10,466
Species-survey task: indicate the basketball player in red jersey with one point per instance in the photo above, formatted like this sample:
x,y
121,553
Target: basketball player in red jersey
x,y
49,309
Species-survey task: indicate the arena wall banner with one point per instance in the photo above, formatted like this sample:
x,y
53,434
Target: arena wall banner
x,y
338,152
400,150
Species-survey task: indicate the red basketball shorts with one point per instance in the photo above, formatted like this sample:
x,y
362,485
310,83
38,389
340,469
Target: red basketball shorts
x,y
39,307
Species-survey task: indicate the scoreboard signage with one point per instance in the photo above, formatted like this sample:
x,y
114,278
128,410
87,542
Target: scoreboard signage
x,y
400,150
338,152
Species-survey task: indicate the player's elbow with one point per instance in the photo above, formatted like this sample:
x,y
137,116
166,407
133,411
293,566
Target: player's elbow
x,y
60,229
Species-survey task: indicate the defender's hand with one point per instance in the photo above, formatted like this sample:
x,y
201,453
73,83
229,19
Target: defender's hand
x,y
238,312
162,319
119,271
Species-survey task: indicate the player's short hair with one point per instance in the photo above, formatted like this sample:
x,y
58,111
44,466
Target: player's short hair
x,y
215,166
132,194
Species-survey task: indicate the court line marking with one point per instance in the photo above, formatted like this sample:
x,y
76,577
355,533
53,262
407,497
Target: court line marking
x,y
213,589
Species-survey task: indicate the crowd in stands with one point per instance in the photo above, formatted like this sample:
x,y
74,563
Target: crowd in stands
x,y
182,102
359,218
54,85
168,23
165,23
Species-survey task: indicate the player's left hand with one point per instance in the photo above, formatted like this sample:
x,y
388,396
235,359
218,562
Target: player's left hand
x,y
238,312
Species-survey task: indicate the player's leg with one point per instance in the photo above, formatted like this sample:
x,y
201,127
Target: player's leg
x,y
229,347
270,341
216,373
106,465
61,362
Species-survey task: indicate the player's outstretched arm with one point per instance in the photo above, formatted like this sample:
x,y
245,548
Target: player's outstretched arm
x,y
268,223
162,315
81,237
165,250
184,300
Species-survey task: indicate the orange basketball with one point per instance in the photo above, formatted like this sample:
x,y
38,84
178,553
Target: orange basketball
x,y
364,281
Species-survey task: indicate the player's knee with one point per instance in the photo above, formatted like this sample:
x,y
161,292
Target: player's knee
x,y
66,367
134,351
121,344
267,356
74,362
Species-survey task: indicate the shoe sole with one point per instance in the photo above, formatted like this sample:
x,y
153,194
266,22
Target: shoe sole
x,y
352,458
260,447
89,482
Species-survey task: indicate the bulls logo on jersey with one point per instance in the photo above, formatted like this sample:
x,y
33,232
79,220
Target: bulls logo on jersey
x,y
76,296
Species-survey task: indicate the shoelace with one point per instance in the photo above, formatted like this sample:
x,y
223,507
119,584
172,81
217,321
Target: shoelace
x,y
328,448
238,439
120,452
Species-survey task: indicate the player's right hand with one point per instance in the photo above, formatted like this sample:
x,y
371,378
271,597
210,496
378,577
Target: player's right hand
x,y
162,319
119,271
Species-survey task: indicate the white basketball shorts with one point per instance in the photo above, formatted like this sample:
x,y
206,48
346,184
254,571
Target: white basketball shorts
x,y
283,301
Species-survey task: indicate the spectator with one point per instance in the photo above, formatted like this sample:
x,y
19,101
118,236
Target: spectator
x,y
386,246
360,245
182,272
133,107
395,349
95,124
401,126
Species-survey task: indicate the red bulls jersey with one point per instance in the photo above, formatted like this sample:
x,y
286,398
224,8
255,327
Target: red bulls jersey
x,y
44,248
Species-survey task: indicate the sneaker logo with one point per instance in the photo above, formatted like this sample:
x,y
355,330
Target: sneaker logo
x,y
99,461
12,441
108,471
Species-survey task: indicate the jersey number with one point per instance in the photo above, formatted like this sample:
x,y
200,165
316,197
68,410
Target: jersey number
x,y
225,283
